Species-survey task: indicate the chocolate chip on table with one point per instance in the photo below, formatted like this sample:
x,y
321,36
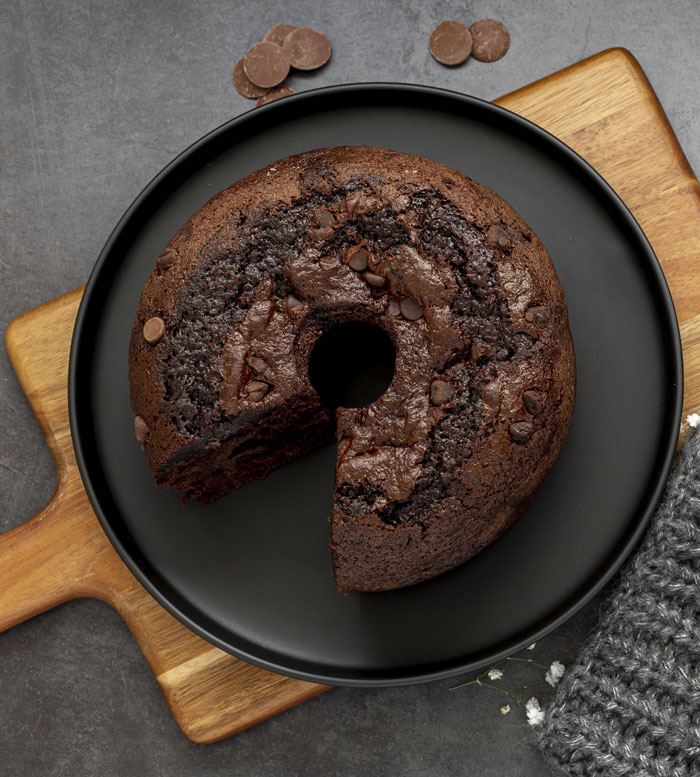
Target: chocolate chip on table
x,y
393,308
293,302
306,48
440,392
537,315
266,64
521,431
256,390
411,309
153,330
274,94
257,364
278,33
165,259
244,86
378,281
141,429
533,401
451,43
490,40
497,238
357,258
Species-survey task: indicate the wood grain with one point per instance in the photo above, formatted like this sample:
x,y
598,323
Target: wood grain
x,y
602,107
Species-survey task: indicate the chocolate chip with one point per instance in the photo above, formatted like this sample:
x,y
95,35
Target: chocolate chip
x,y
257,364
306,48
274,94
256,390
293,302
357,258
378,281
393,309
451,42
497,238
476,351
521,431
322,233
533,401
411,309
490,40
490,397
266,64
537,315
440,392
324,218
153,330
165,259
278,33
244,86
141,429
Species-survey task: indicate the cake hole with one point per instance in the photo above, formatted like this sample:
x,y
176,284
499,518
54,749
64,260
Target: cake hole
x,y
352,364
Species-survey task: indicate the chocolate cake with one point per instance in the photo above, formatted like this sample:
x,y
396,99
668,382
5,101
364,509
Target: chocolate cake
x,y
483,389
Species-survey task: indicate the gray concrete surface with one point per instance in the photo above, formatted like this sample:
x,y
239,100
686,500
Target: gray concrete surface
x,y
95,97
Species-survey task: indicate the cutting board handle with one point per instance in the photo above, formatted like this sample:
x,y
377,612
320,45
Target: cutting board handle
x,y
47,560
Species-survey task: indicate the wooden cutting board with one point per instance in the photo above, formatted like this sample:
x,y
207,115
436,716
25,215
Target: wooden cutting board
x,y
606,110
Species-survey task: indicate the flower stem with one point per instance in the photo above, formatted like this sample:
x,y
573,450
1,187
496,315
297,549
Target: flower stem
x,y
526,661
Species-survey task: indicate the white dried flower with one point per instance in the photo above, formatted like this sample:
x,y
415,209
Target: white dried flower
x,y
505,710
531,647
693,420
554,673
535,714
495,674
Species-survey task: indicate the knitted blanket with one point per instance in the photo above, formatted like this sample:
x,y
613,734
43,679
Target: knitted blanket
x,y
631,704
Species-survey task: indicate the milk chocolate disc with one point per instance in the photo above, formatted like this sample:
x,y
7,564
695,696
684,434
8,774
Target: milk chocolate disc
x,y
307,48
275,94
490,40
450,42
266,64
244,85
278,33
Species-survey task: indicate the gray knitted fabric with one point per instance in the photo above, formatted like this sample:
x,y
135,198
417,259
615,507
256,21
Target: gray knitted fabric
x,y
631,705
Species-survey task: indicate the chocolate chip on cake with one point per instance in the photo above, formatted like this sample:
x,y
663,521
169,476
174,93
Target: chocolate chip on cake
x,y
165,259
256,390
274,94
537,315
490,40
411,309
357,258
306,48
257,364
141,429
497,238
293,302
153,330
440,392
378,281
393,308
533,401
266,64
521,431
244,86
278,33
451,42
324,218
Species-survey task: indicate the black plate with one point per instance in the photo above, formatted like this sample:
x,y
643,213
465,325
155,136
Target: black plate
x,y
251,572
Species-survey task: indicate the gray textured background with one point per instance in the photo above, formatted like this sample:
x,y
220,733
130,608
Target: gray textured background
x,y
95,97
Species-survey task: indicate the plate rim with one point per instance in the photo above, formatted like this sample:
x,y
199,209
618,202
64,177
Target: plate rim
x,y
665,454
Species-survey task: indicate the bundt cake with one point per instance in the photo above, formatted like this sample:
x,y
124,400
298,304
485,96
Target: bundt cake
x,y
482,395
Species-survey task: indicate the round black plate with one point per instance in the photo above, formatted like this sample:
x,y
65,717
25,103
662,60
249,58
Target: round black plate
x,y
251,572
